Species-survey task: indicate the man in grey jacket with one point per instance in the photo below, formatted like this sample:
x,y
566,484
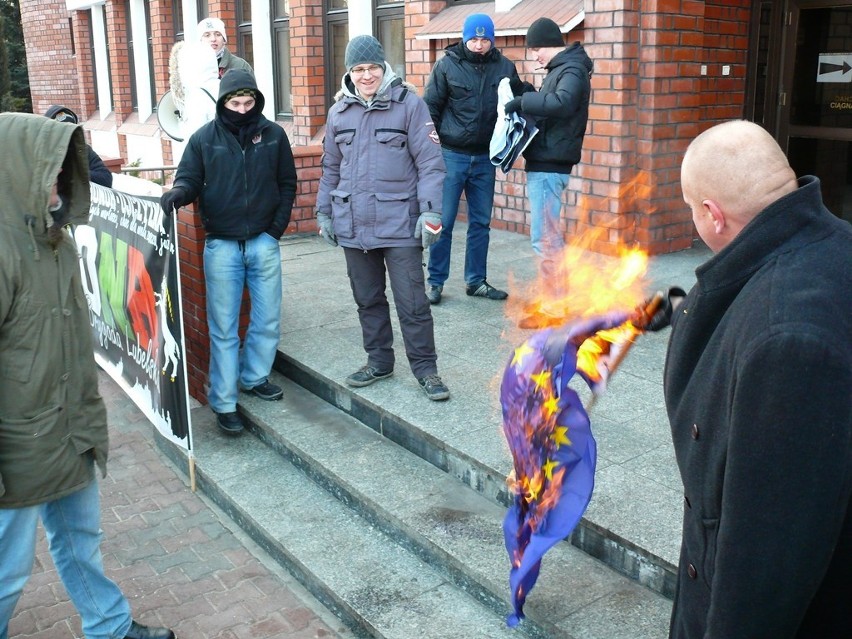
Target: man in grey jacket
x,y
380,199
53,428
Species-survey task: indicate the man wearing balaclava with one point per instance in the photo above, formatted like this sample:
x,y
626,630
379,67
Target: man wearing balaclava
x,y
462,99
211,31
241,170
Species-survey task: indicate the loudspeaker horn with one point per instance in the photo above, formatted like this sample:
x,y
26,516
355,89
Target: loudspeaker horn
x,y
168,117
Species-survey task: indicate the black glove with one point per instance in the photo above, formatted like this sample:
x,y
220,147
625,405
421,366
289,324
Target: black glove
x,y
516,85
173,199
663,316
512,106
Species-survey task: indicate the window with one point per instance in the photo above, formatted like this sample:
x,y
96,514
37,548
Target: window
x,y
390,31
337,37
131,59
280,10
177,19
153,87
245,48
201,7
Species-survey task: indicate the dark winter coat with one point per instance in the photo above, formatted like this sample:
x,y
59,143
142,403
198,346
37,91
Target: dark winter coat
x,y
229,61
381,167
757,385
241,192
52,419
561,110
462,97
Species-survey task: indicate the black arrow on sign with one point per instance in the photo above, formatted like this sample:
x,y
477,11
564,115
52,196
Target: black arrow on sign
x,y
827,67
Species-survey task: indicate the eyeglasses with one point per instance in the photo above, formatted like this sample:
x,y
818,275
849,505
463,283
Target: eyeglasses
x,y
64,116
373,69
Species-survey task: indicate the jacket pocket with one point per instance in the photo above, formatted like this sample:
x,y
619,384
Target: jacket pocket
x,y
25,325
394,219
341,214
392,157
30,444
343,140
711,533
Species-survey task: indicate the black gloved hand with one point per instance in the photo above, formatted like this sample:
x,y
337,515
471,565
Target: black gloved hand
x,y
663,316
512,106
516,85
173,199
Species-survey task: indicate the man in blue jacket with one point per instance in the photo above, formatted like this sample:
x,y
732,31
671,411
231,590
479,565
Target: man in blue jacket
x,y
240,167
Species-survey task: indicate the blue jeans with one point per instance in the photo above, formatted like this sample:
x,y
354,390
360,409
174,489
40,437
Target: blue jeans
x,y
475,175
72,524
545,194
229,266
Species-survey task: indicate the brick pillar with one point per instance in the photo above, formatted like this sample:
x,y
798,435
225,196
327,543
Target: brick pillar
x,y
51,63
420,55
119,62
306,46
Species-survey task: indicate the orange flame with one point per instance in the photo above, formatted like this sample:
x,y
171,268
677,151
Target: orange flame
x,y
587,283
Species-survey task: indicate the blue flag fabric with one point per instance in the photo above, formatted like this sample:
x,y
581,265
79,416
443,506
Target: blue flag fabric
x,y
552,446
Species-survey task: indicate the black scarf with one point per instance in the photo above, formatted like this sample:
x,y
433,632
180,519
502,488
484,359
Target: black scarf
x,y
244,126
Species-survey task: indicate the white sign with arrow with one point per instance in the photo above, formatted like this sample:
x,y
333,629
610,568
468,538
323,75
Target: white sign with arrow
x,y
834,67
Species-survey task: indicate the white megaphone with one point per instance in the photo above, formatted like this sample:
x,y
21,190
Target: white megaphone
x,y
168,117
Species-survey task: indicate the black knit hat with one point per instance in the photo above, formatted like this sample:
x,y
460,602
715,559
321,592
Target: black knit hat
x,y
364,49
544,32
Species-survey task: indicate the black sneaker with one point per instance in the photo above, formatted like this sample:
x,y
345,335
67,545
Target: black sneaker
x,y
268,391
138,631
434,387
366,375
484,289
434,294
230,423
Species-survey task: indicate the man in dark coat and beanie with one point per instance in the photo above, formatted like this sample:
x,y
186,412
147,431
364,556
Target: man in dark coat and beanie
x,y
462,99
240,167
757,386
560,110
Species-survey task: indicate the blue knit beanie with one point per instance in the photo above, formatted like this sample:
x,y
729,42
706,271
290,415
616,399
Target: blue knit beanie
x,y
478,25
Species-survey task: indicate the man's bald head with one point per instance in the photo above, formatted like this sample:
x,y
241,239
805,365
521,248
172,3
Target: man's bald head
x,y
733,171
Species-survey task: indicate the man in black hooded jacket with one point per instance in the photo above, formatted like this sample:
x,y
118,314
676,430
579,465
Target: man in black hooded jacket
x,y
560,110
240,167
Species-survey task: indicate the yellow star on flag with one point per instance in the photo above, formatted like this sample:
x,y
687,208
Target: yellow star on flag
x,y
541,379
560,436
522,351
550,407
548,467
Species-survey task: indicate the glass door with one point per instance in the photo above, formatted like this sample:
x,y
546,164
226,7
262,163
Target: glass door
x,y
815,97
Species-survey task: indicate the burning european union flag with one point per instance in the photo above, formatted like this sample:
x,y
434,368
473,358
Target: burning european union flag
x,y
553,450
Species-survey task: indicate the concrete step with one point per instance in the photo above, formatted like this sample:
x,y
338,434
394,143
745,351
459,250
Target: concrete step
x,y
391,542
408,425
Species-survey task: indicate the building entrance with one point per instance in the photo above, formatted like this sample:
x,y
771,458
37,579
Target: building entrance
x,y
800,89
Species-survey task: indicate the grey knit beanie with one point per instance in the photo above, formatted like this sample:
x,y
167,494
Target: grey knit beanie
x,y
544,32
364,49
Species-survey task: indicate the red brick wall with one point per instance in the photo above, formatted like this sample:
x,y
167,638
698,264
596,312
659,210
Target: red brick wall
x,y
50,57
649,99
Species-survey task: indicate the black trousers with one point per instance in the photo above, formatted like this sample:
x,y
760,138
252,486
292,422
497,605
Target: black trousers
x,y
366,270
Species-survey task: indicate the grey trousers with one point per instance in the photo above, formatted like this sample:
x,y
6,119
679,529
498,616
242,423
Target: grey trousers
x,y
366,270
